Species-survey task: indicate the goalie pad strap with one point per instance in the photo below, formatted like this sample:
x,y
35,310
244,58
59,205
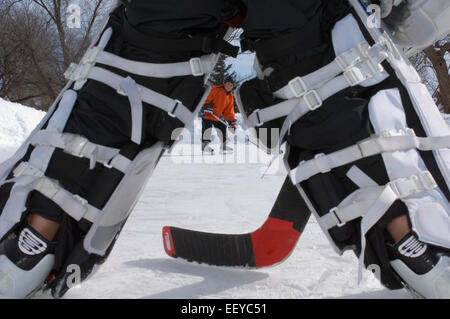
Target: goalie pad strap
x,y
371,203
173,107
307,93
80,146
388,141
195,66
129,87
402,188
343,63
72,204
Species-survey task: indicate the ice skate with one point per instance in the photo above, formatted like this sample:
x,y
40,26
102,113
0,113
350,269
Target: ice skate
x,y
26,260
207,149
424,268
225,149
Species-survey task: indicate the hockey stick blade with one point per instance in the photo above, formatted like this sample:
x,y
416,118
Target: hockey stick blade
x,y
269,245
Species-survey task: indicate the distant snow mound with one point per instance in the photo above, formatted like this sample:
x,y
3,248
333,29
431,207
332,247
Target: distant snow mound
x,y
17,122
446,118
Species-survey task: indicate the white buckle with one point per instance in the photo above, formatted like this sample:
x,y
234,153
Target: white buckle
x,y
256,112
298,87
374,67
172,113
364,48
196,66
377,53
369,147
405,187
354,76
313,100
91,55
48,188
351,57
81,200
410,132
427,180
80,147
20,170
24,168
333,211
76,72
316,163
402,132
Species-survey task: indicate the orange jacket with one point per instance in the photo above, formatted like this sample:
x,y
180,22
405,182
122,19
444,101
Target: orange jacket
x,y
222,103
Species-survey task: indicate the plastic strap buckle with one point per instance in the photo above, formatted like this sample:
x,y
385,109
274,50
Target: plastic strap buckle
x,y
196,66
91,55
24,168
405,187
322,170
80,147
172,113
76,72
333,211
313,100
348,59
354,76
260,123
298,87
80,199
427,180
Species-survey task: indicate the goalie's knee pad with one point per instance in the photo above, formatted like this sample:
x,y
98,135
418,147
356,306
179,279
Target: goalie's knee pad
x,y
365,142
88,160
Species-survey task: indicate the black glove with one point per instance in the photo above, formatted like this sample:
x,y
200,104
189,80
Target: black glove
x,y
232,126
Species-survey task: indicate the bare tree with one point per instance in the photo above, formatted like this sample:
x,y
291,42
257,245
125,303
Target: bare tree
x,y
72,41
37,46
433,65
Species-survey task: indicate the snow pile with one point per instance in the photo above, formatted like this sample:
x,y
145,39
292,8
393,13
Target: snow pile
x,y
17,122
446,118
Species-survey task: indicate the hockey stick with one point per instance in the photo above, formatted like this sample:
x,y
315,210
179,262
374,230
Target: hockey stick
x,y
219,119
271,244
234,131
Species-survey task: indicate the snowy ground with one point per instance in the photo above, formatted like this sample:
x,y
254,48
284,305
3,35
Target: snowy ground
x,y
218,196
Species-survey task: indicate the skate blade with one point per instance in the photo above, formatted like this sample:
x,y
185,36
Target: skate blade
x,y
433,285
208,152
16,283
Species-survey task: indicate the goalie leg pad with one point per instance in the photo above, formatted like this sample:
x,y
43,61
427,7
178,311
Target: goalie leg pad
x,y
88,161
364,145
405,109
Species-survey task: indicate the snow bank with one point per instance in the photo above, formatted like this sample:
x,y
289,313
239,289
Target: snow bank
x,y
446,118
17,122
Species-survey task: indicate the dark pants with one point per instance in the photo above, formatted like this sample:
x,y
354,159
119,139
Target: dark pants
x,y
207,126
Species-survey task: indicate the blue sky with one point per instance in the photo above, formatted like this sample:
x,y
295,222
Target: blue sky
x,y
242,65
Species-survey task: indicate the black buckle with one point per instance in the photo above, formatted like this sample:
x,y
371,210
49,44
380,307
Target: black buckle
x,y
172,113
207,45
